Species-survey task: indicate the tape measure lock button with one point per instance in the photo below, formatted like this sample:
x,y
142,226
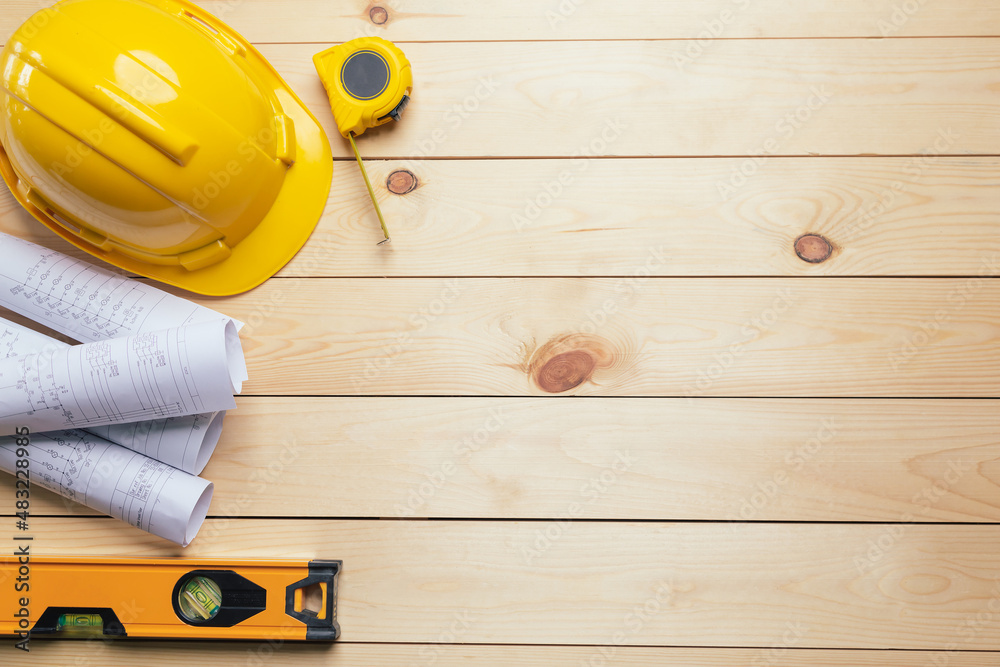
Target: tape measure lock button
x,y
397,113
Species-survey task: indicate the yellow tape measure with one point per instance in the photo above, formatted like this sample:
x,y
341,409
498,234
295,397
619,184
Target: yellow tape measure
x,y
369,82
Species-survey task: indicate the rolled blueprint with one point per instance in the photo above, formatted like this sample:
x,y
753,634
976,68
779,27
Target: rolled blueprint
x,y
185,443
85,302
115,481
172,373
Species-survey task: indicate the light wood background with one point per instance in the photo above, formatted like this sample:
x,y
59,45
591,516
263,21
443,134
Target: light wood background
x,y
590,407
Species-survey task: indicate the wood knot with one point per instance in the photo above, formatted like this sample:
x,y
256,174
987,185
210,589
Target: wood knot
x,y
565,371
566,362
378,15
401,182
813,248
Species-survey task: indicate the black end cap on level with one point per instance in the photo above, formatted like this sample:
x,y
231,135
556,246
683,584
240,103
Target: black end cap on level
x,y
318,629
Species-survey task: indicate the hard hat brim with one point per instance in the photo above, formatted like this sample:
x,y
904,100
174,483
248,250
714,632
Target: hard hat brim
x,y
276,238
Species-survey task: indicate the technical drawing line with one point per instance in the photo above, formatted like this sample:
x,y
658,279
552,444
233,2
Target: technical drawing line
x,y
123,379
182,442
115,481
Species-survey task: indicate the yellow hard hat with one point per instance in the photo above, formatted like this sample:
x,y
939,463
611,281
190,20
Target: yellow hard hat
x,y
153,136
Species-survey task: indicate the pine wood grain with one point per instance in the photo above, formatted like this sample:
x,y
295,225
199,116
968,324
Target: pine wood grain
x,y
157,654
883,216
823,586
554,99
549,99
821,337
631,98
448,20
715,459
426,357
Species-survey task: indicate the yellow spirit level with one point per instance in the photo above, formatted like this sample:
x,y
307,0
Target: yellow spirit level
x,y
170,598
369,82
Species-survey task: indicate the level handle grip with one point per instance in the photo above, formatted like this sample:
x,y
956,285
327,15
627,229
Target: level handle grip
x,y
321,625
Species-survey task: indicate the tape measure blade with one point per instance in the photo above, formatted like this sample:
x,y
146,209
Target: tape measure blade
x,y
371,190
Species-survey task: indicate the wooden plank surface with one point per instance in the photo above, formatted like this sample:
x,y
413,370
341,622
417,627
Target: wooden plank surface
x,y
770,461
343,654
742,98
454,20
832,586
883,216
652,459
623,337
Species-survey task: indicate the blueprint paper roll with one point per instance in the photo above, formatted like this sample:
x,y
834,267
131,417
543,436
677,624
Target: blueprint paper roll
x,y
172,373
185,443
113,480
86,302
